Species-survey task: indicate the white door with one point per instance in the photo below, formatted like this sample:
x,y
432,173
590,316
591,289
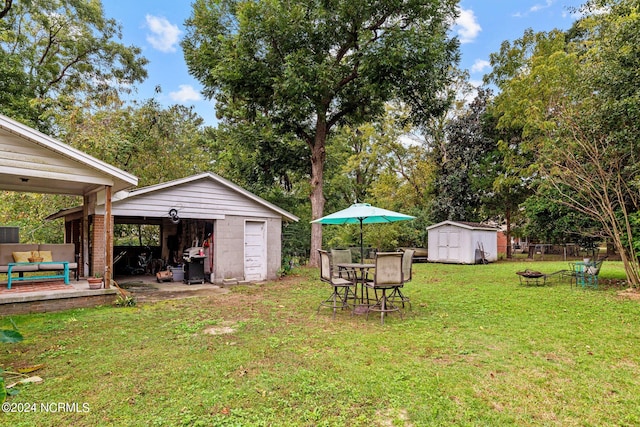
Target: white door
x,y
255,259
448,245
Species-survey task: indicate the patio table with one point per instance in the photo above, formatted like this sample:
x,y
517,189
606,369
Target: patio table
x,y
361,271
64,275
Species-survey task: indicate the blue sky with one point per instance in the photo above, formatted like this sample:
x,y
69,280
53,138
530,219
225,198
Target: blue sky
x,y
157,26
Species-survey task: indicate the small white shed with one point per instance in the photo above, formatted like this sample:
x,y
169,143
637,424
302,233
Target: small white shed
x,y
462,242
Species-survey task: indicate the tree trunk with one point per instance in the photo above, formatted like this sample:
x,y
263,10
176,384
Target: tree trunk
x,y
316,197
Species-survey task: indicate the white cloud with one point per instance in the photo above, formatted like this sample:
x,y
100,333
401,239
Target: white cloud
x,y
467,26
185,94
480,65
537,7
164,35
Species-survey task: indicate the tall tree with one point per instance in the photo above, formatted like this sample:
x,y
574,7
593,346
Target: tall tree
x,y
310,66
464,174
154,143
56,53
576,100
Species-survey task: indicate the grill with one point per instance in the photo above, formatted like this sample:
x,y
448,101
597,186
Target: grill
x,y
193,265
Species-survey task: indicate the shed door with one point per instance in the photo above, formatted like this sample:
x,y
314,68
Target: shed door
x,y
449,245
255,259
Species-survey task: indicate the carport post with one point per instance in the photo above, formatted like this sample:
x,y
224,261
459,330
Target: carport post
x,y
108,231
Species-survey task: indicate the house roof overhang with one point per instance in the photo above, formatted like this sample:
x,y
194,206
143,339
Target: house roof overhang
x,y
31,161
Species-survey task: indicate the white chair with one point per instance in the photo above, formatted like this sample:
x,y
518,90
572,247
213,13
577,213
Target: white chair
x,y
341,256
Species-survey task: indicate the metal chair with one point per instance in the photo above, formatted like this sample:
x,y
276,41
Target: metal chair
x,y
343,289
407,273
388,276
341,256
586,274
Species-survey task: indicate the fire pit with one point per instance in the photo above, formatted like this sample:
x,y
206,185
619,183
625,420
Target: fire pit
x,y
531,277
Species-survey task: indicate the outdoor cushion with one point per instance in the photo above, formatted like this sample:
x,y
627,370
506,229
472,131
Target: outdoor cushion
x,y
21,256
60,251
7,249
45,267
45,255
19,268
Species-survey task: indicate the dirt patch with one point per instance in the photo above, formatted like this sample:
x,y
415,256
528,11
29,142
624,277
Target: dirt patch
x,y
219,330
147,289
630,293
138,287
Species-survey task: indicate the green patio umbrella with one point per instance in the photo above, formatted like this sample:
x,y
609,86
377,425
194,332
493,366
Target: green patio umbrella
x,y
363,213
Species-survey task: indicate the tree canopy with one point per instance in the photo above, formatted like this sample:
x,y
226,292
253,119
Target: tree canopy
x,y
576,96
58,53
305,68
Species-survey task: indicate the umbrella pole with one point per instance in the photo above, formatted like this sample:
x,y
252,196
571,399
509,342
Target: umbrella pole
x,y
361,245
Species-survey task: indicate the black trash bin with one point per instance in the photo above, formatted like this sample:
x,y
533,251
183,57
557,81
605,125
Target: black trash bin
x,y
193,265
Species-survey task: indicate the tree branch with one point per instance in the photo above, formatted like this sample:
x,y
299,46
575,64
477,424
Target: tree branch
x,y
5,9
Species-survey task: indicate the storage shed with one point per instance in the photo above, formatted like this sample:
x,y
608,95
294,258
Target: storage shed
x,y
239,232
462,242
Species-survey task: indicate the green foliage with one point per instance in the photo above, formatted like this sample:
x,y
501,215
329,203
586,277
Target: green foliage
x,y
467,166
28,212
550,221
8,336
126,301
571,100
58,53
155,144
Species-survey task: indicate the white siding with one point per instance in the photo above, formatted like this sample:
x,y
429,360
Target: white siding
x,y
203,199
450,243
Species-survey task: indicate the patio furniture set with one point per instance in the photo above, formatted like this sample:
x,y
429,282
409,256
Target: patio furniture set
x,y
56,259
351,282
583,273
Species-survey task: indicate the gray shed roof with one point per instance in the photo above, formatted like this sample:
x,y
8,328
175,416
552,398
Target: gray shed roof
x,y
464,224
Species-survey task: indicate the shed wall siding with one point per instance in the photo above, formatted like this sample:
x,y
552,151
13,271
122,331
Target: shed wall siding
x,y
199,200
465,251
229,249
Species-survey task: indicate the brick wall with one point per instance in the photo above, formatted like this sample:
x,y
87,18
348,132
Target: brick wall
x,y
98,241
45,306
502,243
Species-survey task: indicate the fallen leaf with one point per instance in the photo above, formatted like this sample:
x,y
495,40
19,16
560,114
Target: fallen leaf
x,y
34,379
31,368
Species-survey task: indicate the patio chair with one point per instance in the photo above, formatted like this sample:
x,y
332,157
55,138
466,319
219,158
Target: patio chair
x,y
407,273
590,274
343,289
388,276
341,256
586,274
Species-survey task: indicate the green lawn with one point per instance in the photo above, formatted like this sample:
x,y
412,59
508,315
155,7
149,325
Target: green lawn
x,y
476,349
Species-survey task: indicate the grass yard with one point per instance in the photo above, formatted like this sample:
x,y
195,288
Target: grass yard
x,y
477,349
